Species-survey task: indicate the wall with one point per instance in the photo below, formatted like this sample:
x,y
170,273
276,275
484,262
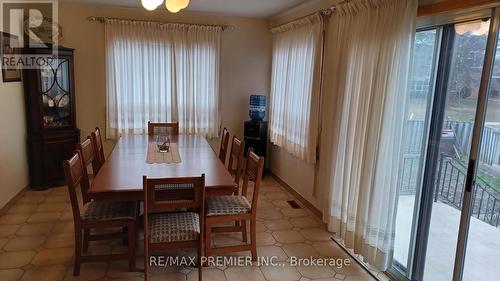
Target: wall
x,y
245,61
13,157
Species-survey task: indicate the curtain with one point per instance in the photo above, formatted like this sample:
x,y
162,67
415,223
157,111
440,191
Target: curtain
x,y
162,73
368,57
295,86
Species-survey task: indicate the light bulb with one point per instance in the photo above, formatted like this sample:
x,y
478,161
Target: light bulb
x,y
182,3
172,6
150,4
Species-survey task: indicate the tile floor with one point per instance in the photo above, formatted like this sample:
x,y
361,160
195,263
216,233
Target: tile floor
x,y
36,242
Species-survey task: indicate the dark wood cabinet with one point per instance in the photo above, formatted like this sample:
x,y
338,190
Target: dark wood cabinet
x,y
255,133
50,110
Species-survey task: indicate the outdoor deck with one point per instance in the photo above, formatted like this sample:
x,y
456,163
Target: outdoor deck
x,y
482,250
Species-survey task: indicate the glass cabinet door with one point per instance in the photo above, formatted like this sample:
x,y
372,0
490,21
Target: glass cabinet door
x,y
55,85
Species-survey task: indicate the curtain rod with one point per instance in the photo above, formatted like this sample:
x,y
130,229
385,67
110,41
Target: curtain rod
x,y
326,12
102,19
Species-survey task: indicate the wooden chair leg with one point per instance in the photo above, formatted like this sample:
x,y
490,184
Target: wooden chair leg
x,y
244,230
208,238
86,234
78,252
131,246
200,264
253,237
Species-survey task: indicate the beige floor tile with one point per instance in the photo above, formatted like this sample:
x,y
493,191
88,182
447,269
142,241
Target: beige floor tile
x,y
352,269
53,256
209,274
24,243
119,269
60,241
11,260
13,218
278,225
44,217
272,251
88,272
8,230
11,274
280,273
305,222
276,195
329,249
264,238
35,229
265,205
64,227
294,213
359,277
31,199
171,276
129,279
281,204
288,236
261,227
316,272
269,214
316,234
3,241
300,250
249,273
22,209
66,216
60,190
223,239
52,207
46,273
57,199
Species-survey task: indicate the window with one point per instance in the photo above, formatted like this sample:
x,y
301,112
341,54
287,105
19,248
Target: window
x,y
162,73
295,87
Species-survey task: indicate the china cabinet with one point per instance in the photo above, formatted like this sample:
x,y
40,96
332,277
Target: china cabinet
x,y
50,110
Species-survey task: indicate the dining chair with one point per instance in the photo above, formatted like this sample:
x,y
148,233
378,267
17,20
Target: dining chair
x,y
235,208
223,145
165,225
87,152
98,215
98,148
235,163
159,128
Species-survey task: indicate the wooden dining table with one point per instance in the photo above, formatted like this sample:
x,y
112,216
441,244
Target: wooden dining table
x,y
120,178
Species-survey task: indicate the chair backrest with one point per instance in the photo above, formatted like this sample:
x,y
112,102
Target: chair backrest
x,y
98,148
223,145
163,128
86,150
163,194
236,158
253,173
74,172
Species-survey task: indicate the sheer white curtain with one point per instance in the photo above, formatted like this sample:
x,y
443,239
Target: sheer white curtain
x,y
294,103
162,73
368,54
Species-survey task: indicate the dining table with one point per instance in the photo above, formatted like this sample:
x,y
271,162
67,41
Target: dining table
x,y
121,176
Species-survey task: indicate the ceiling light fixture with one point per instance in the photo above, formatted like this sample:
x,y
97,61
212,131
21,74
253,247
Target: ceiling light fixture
x,y
173,6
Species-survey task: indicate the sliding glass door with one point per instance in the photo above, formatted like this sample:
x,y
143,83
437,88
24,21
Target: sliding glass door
x,y
450,177
483,243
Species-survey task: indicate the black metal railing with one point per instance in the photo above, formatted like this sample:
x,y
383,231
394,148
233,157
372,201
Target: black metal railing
x,y
450,187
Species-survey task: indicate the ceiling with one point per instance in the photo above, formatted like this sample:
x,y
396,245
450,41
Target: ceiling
x,y
245,8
